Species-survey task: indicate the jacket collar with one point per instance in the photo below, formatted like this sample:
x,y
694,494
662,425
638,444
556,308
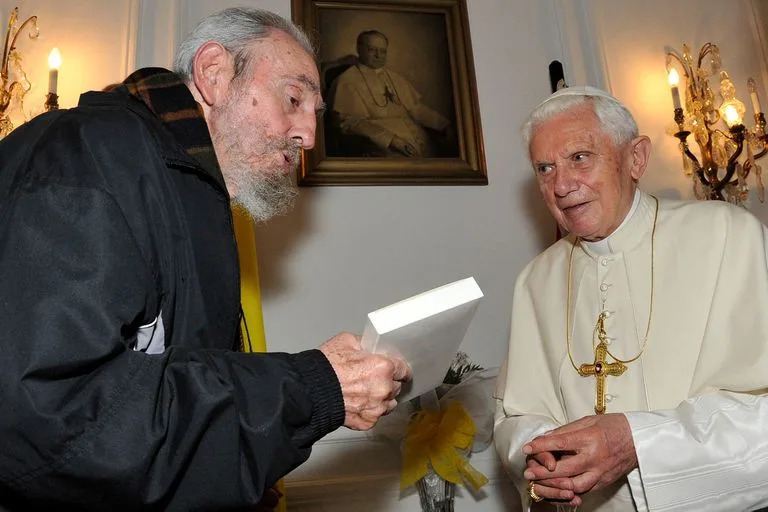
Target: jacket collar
x,y
172,105
164,94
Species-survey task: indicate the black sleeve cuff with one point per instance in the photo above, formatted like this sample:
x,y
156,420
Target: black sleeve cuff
x,y
324,389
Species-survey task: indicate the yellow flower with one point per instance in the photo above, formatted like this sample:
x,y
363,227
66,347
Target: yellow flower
x,y
440,438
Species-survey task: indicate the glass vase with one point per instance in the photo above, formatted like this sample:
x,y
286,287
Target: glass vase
x,y
435,493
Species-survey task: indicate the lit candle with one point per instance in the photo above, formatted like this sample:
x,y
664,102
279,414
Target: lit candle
x,y
731,115
54,61
752,86
674,79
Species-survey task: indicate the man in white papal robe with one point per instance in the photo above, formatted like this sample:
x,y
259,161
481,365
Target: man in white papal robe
x,y
681,289
381,106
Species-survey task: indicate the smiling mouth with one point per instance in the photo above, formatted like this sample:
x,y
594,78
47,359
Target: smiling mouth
x,y
574,208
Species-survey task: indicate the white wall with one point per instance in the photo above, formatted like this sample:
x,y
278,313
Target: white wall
x,y
347,250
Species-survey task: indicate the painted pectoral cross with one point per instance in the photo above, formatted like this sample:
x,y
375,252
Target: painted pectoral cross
x,y
389,95
601,368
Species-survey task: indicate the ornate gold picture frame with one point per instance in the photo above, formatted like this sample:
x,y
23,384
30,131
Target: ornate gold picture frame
x,y
399,81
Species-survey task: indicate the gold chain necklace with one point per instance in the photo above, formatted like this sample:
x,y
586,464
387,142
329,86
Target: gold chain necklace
x,y
389,96
600,368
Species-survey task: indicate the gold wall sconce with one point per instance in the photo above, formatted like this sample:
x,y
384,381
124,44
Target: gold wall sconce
x,y
728,150
14,89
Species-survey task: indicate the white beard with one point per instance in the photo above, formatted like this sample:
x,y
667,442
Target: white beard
x,y
263,196
252,161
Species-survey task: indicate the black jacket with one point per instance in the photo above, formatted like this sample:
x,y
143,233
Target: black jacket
x,y
112,234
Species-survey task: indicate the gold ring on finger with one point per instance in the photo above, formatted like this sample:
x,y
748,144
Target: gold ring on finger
x,y
532,493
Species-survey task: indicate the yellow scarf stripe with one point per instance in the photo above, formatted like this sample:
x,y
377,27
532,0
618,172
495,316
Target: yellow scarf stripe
x,y
250,295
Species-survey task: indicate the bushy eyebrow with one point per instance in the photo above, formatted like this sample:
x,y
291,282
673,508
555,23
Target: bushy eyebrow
x,y
314,88
311,84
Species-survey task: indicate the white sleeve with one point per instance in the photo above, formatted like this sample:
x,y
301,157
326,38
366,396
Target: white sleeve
x,y
710,453
509,436
351,125
428,117
354,114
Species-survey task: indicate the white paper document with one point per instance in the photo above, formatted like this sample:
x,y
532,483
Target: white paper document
x,y
425,330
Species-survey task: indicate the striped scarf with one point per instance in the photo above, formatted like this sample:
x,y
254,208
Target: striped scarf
x,y
169,98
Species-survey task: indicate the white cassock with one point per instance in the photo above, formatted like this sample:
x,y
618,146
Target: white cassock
x,y
379,104
696,398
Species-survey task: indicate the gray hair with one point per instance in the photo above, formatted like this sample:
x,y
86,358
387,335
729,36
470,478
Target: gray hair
x,y
235,29
615,119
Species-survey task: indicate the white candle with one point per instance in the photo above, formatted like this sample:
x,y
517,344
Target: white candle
x,y
752,86
674,79
54,61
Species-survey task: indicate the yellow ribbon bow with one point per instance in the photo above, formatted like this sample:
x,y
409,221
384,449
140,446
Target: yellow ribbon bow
x,y
441,438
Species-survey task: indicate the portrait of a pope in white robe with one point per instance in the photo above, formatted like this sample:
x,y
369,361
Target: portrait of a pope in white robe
x,y
380,111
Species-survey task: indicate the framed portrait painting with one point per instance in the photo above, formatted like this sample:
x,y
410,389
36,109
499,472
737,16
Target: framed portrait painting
x,y
398,80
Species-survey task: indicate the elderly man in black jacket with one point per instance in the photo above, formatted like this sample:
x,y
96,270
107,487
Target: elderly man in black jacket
x,y
120,382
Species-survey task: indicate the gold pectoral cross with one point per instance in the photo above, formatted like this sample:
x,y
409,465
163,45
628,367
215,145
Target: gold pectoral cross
x,y
601,368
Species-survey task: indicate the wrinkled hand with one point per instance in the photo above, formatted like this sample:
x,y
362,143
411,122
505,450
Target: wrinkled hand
x,y
369,382
591,453
553,489
400,145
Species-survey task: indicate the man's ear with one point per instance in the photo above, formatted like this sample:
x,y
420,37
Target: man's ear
x,y
212,70
640,153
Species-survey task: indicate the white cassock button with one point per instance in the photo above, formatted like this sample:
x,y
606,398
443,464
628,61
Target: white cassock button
x,y
603,287
608,340
607,314
609,397
604,262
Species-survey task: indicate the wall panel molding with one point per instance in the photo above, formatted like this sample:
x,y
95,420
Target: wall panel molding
x,y
759,25
133,36
157,32
582,43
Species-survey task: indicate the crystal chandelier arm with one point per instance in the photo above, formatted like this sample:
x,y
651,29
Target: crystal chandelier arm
x,y
738,138
683,135
761,135
703,177
715,119
706,49
672,54
730,135
698,169
4,65
20,83
8,48
21,86
33,21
